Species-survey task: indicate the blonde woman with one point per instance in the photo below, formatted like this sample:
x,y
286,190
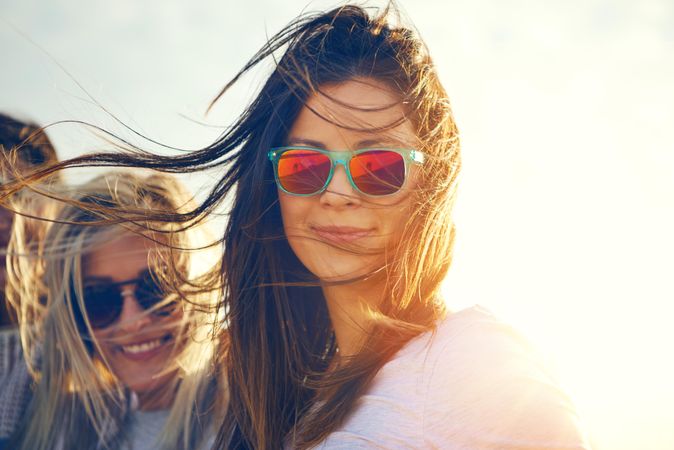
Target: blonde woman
x,y
119,358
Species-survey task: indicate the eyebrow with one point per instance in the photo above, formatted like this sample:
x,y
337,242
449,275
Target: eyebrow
x,y
306,142
94,277
364,143
94,280
388,141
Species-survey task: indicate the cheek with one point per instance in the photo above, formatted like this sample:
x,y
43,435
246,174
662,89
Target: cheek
x,y
102,338
174,322
393,221
393,213
395,216
294,211
295,215
290,216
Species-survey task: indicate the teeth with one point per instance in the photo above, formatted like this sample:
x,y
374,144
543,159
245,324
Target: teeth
x,y
144,347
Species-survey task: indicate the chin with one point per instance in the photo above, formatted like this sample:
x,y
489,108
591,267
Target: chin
x,y
331,264
146,382
341,272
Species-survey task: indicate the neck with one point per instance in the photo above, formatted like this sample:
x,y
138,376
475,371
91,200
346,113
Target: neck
x,y
160,397
147,402
348,306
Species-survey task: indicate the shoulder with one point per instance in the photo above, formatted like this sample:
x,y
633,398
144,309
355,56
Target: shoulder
x,y
487,387
471,383
15,382
11,352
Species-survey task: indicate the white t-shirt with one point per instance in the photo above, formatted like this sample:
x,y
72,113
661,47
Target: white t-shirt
x,y
474,384
145,428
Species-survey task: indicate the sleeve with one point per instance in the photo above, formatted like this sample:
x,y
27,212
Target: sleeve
x,y
10,351
15,382
488,390
379,422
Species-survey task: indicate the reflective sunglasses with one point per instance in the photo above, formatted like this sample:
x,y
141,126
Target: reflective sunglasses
x,y
376,172
104,301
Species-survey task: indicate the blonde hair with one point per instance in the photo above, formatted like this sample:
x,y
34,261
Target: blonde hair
x,y
78,402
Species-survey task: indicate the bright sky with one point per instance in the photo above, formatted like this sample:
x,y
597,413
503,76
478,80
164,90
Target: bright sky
x,y
566,205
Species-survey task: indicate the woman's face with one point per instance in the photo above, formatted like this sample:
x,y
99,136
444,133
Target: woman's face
x,y
139,347
341,233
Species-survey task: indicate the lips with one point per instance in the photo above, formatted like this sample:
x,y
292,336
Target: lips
x,y
143,350
339,234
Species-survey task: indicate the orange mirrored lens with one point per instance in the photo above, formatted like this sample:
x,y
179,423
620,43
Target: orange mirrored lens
x,y
303,171
378,172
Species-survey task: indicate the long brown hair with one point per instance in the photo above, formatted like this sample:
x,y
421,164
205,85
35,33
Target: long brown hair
x,y
280,333
278,342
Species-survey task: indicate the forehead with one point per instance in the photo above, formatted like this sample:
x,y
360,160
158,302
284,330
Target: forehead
x,y
359,110
119,256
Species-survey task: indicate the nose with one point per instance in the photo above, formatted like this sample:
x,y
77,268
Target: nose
x,y
339,192
133,317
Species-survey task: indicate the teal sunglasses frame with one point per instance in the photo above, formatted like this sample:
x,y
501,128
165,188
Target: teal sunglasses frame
x,y
343,158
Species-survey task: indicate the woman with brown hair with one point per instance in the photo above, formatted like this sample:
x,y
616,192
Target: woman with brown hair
x,y
343,174
24,147
345,168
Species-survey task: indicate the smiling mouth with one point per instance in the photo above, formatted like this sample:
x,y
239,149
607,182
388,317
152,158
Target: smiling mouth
x,y
145,348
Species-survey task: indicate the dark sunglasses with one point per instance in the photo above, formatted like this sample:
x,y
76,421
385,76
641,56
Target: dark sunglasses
x,y
104,301
376,172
